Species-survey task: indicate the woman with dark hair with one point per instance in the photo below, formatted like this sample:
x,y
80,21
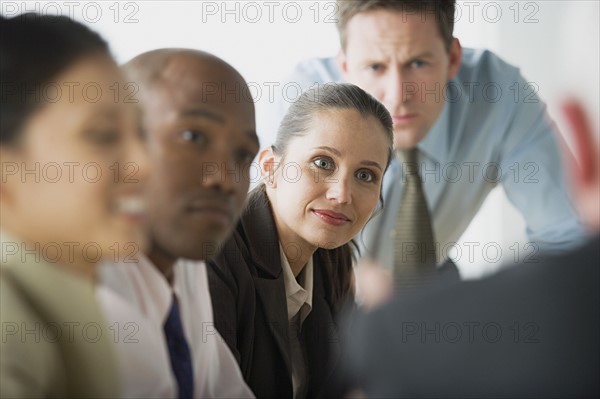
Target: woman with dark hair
x,y
279,284
67,142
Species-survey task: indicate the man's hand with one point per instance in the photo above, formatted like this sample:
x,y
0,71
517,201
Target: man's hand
x,y
373,284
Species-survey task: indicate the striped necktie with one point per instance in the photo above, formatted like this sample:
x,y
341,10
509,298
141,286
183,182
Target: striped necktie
x,y
414,248
179,352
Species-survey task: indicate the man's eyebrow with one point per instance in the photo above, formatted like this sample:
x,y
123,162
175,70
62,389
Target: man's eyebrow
x,y
203,113
425,54
407,58
372,59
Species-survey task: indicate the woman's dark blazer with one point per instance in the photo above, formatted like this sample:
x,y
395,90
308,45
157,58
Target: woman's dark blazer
x,y
250,309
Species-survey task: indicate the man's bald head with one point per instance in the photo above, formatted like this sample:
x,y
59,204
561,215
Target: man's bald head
x,y
201,139
168,65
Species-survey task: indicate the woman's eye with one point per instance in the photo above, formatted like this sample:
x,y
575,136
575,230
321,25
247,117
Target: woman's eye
x,y
418,64
105,138
192,135
324,163
365,175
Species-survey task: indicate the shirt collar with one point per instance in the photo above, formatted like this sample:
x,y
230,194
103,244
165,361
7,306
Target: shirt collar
x,y
297,293
435,143
156,285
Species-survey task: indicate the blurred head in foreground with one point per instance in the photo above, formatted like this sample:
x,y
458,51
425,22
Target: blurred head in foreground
x,y
71,150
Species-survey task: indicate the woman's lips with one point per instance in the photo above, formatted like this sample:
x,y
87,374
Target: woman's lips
x,y
331,217
403,118
132,208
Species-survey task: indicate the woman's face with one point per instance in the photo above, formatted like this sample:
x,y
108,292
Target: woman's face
x,y
72,183
327,184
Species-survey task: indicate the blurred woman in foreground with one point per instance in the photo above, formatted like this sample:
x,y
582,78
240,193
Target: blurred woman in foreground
x,y
72,164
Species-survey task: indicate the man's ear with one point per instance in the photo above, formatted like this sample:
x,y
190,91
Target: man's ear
x,y
267,160
342,63
455,58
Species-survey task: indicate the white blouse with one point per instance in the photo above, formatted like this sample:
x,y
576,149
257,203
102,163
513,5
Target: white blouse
x,y
299,294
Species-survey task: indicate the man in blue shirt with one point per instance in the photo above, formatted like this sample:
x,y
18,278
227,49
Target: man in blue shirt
x,y
472,117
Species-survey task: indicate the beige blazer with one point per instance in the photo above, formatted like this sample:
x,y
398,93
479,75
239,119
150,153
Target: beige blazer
x,y
55,342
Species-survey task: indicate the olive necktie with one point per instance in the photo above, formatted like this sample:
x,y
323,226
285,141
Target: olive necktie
x,y
414,245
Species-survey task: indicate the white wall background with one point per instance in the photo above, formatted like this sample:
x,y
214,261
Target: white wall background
x,y
555,43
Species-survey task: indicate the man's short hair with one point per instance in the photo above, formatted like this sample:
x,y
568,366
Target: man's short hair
x,y
442,10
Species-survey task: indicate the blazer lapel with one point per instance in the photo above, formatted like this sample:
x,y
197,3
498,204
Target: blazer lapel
x,y
320,336
271,295
263,244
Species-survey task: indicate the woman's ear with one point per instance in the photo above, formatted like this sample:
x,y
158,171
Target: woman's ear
x,y
267,161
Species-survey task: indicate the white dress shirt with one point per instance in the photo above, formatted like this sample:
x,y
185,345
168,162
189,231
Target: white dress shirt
x,y
299,304
136,299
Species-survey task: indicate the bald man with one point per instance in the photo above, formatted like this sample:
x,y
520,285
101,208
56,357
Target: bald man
x,y
201,138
